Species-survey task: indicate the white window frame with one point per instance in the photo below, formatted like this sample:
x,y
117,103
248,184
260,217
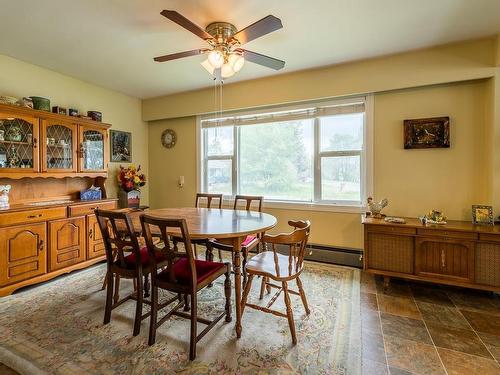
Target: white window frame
x,y
366,154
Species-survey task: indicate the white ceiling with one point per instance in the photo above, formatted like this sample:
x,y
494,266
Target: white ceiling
x,y
112,42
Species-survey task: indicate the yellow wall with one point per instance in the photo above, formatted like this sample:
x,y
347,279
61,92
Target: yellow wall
x,y
414,181
20,79
450,63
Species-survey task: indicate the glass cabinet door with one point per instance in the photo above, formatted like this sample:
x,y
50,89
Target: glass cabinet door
x,y
93,149
18,143
59,145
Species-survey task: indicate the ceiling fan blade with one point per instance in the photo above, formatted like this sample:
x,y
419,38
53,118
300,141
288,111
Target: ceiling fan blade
x,y
179,55
263,60
179,19
257,29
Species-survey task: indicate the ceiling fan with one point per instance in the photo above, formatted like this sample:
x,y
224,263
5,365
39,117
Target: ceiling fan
x,y
225,56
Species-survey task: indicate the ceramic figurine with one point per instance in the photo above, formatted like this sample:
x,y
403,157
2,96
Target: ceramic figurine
x,y
4,195
375,207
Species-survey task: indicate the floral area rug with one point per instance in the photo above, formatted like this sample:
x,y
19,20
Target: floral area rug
x,y
56,328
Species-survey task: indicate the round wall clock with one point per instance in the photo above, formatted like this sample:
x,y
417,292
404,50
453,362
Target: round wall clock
x,y
168,138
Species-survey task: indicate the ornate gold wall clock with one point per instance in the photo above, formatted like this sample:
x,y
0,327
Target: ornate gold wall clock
x,y
168,138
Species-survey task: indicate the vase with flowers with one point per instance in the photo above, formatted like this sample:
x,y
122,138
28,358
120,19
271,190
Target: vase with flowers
x,y
130,180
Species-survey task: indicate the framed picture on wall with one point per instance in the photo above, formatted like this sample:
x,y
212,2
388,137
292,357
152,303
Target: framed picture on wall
x,y
121,146
427,133
482,214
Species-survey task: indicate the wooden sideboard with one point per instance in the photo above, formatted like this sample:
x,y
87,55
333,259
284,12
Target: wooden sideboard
x,y
457,253
42,242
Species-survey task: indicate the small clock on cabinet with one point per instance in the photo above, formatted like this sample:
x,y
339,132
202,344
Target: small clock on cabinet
x,y
168,138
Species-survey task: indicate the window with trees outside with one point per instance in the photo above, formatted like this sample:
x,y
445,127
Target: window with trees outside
x,y
309,154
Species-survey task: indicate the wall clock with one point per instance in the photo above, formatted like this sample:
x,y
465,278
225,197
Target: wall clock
x,y
168,138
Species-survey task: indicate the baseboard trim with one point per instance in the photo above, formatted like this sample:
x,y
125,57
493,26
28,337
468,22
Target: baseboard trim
x,y
333,255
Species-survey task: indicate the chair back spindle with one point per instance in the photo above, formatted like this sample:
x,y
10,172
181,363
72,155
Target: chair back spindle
x,y
296,242
209,198
159,227
249,199
119,236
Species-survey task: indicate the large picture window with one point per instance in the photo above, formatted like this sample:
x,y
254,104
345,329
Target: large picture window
x,y
310,154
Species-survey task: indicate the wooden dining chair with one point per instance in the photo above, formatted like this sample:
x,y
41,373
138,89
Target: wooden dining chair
x,y
280,268
125,259
184,275
250,243
200,199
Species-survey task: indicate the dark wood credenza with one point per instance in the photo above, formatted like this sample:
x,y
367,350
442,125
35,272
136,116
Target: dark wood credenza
x,y
458,253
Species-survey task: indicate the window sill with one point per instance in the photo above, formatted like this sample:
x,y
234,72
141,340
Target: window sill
x,y
303,206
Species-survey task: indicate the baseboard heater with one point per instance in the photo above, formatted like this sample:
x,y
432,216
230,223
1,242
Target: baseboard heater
x,y
333,255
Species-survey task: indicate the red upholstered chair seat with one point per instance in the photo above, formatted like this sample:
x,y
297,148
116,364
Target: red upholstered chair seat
x,y
130,259
248,240
182,272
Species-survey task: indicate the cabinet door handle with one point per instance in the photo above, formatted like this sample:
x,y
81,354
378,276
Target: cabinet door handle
x,y
90,233
40,245
34,142
443,259
34,216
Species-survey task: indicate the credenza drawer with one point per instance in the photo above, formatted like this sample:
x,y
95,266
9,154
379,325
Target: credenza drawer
x,y
32,216
447,233
88,208
489,237
401,229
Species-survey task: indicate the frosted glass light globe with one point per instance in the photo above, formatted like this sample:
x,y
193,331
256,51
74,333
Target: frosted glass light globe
x,y
216,59
227,71
236,62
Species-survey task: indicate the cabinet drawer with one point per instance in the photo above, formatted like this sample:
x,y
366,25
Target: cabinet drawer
x,y
32,216
88,208
489,237
447,233
391,229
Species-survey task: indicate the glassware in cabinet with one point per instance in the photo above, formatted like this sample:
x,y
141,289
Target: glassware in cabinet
x,y
18,143
59,146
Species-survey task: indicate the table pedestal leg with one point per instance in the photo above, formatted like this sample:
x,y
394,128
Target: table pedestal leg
x,y
237,283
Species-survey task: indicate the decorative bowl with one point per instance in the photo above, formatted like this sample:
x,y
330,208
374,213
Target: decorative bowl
x,y
43,104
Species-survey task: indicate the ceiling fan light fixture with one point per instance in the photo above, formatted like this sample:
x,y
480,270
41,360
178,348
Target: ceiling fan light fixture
x,y
227,71
208,67
236,61
216,58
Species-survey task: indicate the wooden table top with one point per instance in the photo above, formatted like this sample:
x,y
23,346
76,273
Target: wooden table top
x,y
213,222
456,225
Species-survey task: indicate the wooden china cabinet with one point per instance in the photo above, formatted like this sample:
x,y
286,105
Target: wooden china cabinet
x,y
48,159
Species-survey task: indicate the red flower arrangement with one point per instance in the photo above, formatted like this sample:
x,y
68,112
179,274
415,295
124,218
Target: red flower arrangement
x,y
131,178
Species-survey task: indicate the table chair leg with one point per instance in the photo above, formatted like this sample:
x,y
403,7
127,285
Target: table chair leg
x,y
186,302
105,281
117,289
303,296
244,298
154,314
138,307
262,287
227,293
289,312
146,286
109,297
192,341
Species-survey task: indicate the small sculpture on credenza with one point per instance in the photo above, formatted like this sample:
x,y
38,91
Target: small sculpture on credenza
x,y
376,207
4,196
433,217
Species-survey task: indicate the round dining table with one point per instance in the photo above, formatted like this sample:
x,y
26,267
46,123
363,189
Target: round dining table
x,y
228,226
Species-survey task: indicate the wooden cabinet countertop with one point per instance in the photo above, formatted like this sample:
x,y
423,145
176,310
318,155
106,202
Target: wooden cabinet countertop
x,y
451,225
68,203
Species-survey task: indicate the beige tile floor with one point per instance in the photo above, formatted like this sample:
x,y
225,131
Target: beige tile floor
x,y
416,328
